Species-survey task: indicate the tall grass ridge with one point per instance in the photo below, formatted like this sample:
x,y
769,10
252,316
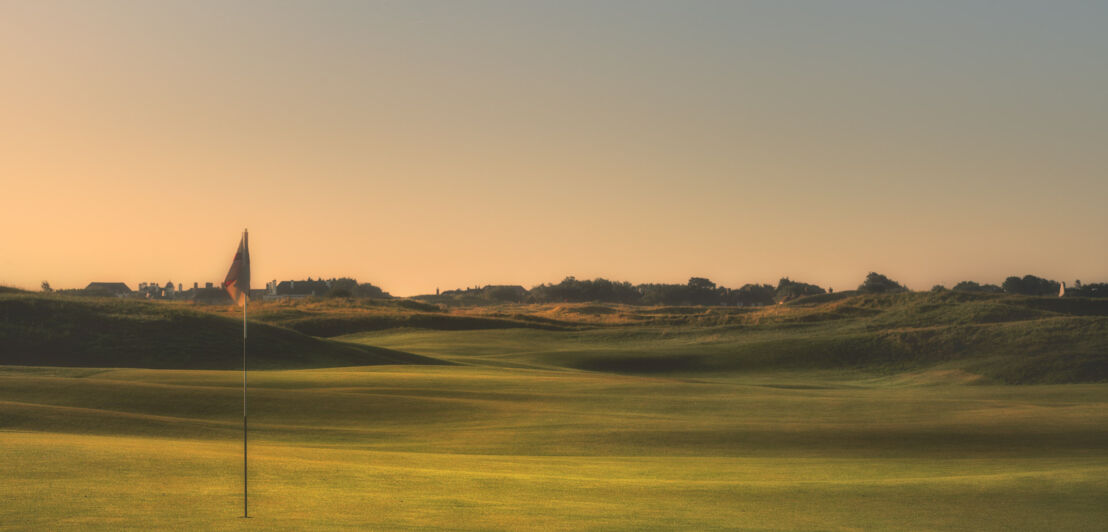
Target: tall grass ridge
x,y
997,337
53,330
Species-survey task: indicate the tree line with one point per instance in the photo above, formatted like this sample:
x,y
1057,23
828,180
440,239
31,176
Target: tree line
x,y
703,291
697,291
1030,285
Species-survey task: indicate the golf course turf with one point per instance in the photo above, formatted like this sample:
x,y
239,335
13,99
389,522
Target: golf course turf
x,y
638,426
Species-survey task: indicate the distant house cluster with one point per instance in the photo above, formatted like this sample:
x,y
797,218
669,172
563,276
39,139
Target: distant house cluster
x,y
503,293
212,293
113,289
275,290
207,294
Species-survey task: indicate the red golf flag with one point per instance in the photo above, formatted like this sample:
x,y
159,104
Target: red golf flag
x,y
237,282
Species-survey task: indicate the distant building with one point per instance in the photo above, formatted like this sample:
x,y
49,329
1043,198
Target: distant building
x,y
115,289
492,292
299,289
156,291
506,293
210,296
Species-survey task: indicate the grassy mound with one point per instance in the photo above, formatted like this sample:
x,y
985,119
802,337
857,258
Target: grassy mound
x,y
992,337
1000,338
976,337
331,325
1053,351
40,330
336,317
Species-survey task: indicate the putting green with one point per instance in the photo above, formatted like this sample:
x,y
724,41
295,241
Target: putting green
x,y
505,440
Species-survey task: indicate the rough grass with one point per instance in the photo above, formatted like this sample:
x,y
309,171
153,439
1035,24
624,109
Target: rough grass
x,y
46,330
1062,349
335,317
998,338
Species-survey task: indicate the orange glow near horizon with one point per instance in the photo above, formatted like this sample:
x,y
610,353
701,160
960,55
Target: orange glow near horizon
x,y
421,146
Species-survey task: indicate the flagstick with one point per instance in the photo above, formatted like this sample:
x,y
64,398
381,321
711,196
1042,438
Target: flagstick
x,y
246,302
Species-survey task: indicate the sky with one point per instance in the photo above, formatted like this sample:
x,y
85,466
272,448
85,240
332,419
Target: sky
x,y
421,145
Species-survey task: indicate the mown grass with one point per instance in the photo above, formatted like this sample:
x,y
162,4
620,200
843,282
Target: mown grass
x,y
481,446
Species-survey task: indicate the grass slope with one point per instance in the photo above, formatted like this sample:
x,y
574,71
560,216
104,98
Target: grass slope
x,y
849,413
40,330
995,338
335,317
964,336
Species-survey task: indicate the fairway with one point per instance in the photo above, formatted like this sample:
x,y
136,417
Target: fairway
x,y
510,436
